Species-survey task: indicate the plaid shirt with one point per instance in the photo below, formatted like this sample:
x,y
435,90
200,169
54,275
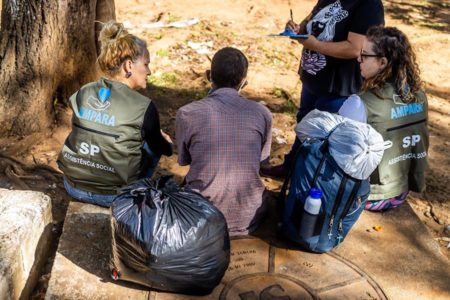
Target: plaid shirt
x,y
223,138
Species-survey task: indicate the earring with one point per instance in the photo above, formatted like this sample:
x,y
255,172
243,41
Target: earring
x,y
128,75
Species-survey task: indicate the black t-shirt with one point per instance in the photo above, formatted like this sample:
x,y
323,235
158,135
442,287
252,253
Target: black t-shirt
x,y
152,135
331,21
151,132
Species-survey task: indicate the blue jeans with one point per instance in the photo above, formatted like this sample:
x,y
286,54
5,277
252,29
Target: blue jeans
x,y
88,197
106,200
309,102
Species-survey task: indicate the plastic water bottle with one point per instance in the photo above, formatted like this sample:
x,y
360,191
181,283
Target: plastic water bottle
x,y
310,213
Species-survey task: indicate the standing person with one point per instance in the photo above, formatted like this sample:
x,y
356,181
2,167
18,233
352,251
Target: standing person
x,y
223,138
116,136
328,70
392,101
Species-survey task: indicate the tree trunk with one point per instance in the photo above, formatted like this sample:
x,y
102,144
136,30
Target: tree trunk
x,y
48,50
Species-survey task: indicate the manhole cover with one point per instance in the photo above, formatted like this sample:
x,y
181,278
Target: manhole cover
x,y
265,286
259,271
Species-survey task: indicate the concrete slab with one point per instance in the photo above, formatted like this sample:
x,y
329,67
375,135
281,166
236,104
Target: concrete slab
x,y
266,268
402,257
81,267
25,230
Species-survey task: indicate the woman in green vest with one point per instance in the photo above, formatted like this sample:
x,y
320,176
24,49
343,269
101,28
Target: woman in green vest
x,y
116,136
393,102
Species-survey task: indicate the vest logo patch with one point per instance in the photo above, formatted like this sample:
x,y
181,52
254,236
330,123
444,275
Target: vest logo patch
x,y
103,94
97,104
406,110
96,107
97,116
101,103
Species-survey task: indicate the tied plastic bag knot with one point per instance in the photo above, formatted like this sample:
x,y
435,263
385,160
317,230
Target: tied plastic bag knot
x,y
387,145
142,196
139,191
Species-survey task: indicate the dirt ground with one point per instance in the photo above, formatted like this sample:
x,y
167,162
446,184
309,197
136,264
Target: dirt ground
x,y
180,57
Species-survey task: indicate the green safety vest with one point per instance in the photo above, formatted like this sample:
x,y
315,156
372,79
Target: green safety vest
x,y
103,151
405,125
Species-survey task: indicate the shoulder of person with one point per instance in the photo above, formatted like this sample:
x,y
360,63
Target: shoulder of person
x,y
194,106
265,110
84,88
372,7
87,86
371,3
386,92
366,95
138,96
259,107
421,94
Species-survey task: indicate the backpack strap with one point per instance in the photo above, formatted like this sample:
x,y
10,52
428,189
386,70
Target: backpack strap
x,y
323,149
351,199
287,181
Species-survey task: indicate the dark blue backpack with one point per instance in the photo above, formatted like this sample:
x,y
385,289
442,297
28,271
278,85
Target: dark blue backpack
x,y
342,201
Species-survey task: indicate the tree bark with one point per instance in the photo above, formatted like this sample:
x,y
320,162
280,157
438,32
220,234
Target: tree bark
x,y
48,49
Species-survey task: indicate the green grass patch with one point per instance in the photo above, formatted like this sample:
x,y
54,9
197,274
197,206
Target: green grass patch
x,y
173,18
280,93
162,52
163,79
289,105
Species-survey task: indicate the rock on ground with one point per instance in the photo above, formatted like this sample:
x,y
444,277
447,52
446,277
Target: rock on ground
x,y
26,221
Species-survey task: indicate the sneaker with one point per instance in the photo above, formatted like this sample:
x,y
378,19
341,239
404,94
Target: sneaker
x,y
274,171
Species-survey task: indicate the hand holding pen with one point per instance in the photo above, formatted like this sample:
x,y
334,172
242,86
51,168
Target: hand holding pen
x,y
291,25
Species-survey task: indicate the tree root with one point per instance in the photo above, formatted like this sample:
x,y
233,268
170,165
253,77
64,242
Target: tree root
x,y
17,172
15,179
432,214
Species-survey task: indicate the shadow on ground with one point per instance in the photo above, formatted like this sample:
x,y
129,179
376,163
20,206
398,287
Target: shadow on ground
x,y
429,13
169,100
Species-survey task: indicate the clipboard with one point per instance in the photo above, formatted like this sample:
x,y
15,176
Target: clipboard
x,y
291,34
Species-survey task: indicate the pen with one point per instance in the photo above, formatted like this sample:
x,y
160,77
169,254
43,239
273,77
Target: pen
x,y
292,17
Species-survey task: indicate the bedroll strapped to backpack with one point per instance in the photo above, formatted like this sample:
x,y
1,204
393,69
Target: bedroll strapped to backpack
x,y
168,238
343,195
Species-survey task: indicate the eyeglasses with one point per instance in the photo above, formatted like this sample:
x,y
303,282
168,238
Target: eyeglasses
x,y
364,55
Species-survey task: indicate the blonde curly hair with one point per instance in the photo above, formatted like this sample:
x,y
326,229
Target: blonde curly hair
x,y
118,45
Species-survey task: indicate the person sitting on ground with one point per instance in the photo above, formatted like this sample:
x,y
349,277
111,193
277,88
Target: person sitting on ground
x,y
116,136
393,102
223,138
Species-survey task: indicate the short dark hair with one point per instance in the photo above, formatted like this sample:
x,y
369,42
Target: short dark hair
x,y
228,67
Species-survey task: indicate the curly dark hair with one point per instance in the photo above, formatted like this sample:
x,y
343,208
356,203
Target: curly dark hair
x,y
402,69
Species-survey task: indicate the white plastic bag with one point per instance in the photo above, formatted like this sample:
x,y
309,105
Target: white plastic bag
x,y
356,147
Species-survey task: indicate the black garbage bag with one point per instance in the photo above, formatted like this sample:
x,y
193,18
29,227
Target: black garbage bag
x,y
168,238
